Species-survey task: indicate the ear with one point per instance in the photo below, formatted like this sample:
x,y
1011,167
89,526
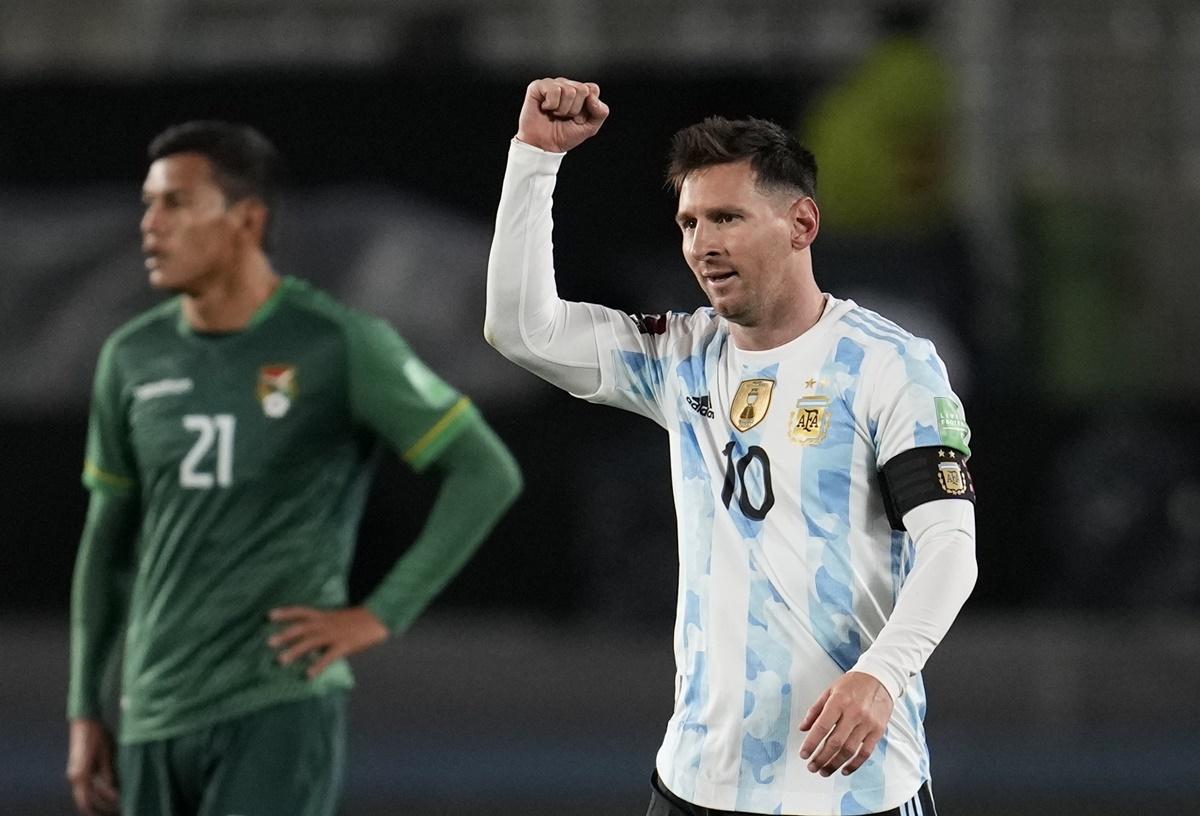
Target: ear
x,y
806,221
252,219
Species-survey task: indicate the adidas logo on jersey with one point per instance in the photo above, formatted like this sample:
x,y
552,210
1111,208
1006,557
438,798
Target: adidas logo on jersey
x,y
701,405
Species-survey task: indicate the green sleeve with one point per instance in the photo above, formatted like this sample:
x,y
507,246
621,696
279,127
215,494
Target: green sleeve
x,y
109,463
397,396
99,594
480,479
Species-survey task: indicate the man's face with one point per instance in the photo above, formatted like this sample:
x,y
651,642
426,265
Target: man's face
x,y
190,233
737,240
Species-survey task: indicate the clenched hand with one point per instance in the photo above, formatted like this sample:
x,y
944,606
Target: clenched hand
x,y
559,114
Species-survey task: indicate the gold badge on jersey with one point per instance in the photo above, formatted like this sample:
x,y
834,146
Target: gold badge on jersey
x,y
809,422
276,389
950,475
750,403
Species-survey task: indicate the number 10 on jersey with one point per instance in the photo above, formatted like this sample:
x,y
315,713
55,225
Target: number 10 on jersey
x,y
216,429
735,482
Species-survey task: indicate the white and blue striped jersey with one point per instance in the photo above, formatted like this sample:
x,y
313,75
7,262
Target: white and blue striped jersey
x,y
789,567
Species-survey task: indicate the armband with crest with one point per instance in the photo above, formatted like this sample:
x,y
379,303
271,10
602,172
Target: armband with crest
x,y
922,475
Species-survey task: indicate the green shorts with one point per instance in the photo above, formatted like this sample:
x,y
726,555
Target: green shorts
x,y
284,760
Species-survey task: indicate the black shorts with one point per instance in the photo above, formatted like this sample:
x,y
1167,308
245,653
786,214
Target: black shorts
x,y
665,803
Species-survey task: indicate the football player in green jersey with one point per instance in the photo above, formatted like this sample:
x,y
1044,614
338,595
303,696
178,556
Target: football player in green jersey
x,y
230,443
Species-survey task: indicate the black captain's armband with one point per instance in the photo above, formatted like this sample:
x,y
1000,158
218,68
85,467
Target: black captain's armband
x,y
922,475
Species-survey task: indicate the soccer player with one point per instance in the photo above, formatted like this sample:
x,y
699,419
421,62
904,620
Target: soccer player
x,y
818,456
230,445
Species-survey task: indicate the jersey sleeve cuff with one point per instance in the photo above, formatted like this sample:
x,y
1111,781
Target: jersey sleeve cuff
x,y
533,159
890,679
81,710
397,617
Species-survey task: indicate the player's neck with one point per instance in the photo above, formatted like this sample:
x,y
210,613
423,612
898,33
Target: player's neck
x,y
783,324
229,302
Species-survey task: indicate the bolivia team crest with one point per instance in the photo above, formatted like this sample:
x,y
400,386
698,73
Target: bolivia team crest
x,y
276,388
750,403
809,423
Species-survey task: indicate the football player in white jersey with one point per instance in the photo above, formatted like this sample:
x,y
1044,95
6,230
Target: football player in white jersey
x,y
825,512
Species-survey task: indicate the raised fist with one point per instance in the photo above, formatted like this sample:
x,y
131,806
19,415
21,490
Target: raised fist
x,y
558,114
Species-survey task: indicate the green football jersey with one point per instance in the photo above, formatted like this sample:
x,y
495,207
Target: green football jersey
x,y
249,454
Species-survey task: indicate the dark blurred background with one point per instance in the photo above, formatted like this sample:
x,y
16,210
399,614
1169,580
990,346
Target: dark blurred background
x,y
1017,180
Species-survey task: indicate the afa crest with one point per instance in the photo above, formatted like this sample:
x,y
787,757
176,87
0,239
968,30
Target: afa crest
x,y
809,422
951,478
276,389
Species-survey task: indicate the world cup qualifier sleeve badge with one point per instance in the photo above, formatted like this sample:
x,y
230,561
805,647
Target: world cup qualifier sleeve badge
x,y
276,389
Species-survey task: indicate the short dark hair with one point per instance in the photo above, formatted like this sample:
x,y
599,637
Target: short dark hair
x,y
777,158
244,162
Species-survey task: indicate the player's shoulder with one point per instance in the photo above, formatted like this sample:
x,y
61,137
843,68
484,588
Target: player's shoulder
x,y
878,334
146,326
304,298
359,331
299,295
896,360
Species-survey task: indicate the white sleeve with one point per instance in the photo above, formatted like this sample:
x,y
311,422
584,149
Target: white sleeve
x,y
526,321
913,405
943,574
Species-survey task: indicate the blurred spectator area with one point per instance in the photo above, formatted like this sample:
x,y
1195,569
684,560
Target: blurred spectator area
x,y
1075,161
1083,115
145,37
